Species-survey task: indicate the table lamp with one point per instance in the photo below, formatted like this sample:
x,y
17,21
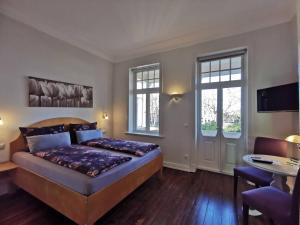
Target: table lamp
x,y
1,121
293,139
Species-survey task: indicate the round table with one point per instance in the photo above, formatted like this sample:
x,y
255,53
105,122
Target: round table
x,y
281,168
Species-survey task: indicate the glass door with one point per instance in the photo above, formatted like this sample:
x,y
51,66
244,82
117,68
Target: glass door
x,y
210,135
221,112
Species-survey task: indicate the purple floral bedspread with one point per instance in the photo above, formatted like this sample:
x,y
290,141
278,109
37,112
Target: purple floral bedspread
x,y
82,159
131,147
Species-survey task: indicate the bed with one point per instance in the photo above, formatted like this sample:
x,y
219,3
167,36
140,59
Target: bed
x,y
77,196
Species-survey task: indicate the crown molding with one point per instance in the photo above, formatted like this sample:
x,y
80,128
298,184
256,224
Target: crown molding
x,y
186,40
192,39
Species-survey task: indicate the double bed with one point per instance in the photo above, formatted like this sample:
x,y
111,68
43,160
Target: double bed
x,y
81,198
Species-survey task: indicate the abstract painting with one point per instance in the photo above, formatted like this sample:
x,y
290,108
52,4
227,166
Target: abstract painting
x,y
49,93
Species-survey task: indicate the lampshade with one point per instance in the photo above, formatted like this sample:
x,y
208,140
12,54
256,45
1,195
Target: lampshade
x,y
293,139
105,116
1,121
176,97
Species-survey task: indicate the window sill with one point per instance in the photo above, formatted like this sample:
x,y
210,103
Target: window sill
x,y
144,134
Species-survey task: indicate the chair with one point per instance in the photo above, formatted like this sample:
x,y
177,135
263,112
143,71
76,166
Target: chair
x,y
279,206
266,146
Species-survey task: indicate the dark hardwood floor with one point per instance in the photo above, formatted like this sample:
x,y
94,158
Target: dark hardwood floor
x,y
180,198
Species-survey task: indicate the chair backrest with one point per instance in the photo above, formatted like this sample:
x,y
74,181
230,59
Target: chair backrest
x,y
296,201
270,146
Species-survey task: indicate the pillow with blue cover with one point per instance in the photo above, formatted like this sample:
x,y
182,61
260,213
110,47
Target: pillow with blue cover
x,y
86,135
40,142
79,127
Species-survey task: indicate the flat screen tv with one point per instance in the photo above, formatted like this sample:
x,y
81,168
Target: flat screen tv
x,y
279,98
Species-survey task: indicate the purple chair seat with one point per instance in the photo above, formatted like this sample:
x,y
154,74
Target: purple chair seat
x,y
270,201
257,176
279,206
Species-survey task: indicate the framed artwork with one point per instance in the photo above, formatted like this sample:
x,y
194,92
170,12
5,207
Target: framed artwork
x,y
49,93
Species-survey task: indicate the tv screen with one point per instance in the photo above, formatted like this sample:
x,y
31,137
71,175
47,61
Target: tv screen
x,y
279,98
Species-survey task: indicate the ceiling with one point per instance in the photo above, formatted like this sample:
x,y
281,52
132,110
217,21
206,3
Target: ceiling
x,y
122,29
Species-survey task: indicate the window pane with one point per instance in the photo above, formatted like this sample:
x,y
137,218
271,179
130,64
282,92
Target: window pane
x,y
145,82
236,62
225,75
225,64
215,65
151,74
209,112
139,76
154,112
232,112
205,67
236,74
214,77
156,84
145,75
141,111
139,85
157,74
205,78
151,83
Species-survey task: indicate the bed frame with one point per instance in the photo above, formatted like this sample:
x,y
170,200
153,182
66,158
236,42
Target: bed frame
x,y
82,209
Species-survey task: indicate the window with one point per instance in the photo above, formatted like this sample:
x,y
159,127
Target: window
x,y
144,96
222,78
221,70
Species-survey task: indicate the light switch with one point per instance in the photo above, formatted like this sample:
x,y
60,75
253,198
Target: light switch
x,y
2,146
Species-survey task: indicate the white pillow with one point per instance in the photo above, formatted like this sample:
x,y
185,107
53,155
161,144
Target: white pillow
x,y
40,142
86,135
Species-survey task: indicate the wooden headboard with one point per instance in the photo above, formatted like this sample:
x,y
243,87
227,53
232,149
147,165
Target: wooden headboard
x,y
19,145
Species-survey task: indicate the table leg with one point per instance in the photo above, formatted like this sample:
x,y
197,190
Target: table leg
x,y
280,182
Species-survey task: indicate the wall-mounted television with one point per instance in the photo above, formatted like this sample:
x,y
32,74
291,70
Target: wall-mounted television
x,y
279,98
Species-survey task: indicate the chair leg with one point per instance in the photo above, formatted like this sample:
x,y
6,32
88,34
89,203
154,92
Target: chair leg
x,y
235,183
245,214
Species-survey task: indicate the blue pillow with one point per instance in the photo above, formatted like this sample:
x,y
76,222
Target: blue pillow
x,y
86,135
46,141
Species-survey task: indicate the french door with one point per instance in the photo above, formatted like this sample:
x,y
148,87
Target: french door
x,y
221,111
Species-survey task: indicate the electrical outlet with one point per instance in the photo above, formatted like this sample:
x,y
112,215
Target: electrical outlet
x,y
186,156
2,146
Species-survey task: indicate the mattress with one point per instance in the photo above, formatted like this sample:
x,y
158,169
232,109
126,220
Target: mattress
x,y
80,182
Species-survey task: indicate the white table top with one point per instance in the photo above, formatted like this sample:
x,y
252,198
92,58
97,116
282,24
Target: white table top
x,y
281,166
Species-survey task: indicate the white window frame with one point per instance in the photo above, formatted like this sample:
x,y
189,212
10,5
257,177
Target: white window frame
x,y
132,103
243,52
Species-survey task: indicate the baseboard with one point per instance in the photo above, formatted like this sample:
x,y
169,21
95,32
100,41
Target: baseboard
x,y
187,168
214,170
178,166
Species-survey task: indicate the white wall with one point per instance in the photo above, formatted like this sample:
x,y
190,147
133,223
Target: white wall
x,y
25,51
272,60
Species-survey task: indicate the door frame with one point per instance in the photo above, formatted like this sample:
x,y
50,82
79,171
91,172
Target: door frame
x,y
194,165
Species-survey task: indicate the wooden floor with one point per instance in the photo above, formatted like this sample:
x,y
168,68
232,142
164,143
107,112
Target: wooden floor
x,y
180,198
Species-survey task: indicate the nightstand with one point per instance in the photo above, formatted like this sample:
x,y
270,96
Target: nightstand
x,y
7,167
6,185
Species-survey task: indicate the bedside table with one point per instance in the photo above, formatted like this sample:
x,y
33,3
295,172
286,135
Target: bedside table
x,y
7,166
6,184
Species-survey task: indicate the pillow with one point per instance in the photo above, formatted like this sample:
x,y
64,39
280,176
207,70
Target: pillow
x,y
86,135
77,127
33,131
40,142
